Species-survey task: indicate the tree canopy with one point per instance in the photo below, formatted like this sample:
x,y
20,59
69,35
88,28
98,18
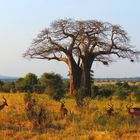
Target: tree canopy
x,y
79,43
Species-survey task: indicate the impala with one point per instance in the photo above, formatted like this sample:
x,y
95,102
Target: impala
x,y
4,104
63,109
110,110
133,111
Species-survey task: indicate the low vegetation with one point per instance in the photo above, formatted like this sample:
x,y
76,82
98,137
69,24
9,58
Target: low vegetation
x,y
42,119
112,111
49,83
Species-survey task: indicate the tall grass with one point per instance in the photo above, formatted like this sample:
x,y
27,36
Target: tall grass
x,y
86,123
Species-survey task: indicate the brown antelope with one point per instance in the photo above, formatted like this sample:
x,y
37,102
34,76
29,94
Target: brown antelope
x,y
110,110
4,104
133,111
63,110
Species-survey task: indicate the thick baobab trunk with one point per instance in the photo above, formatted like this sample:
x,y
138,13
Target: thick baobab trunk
x,y
75,76
71,84
75,80
86,77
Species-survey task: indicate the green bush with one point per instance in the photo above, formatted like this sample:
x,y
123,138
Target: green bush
x,y
94,91
6,87
122,84
53,84
55,94
102,91
121,93
38,88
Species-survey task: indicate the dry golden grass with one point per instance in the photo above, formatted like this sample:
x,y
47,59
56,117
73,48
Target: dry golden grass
x,y
89,123
104,83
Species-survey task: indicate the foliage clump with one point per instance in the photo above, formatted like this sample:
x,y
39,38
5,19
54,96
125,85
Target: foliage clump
x,y
102,91
35,113
53,84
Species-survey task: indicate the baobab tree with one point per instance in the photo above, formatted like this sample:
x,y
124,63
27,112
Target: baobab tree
x,y
80,43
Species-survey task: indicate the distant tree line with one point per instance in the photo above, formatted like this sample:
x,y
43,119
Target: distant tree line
x,y
49,83
57,87
120,90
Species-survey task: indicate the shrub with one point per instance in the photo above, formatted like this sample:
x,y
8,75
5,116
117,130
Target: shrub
x,y
38,88
6,87
55,94
135,95
53,85
20,85
80,94
35,113
29,106
94,91
123,84
102,91
121,93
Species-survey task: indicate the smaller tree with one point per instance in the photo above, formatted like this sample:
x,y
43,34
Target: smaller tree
x,y
20,85
36,114
53,84
30,81
6,87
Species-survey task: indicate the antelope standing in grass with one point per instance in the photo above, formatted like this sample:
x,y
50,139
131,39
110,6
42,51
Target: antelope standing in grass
x,y
4,104
133,111
63,109
110,110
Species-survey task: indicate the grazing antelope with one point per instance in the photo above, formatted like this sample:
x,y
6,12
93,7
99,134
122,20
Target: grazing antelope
x,y
63,110
4,103
133,111
110,110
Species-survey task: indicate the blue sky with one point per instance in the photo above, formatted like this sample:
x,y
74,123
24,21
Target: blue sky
x,y
21,21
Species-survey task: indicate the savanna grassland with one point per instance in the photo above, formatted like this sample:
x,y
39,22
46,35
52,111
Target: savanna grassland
x,y
89,122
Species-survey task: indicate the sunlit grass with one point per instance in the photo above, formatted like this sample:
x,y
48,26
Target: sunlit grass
x,y
87,123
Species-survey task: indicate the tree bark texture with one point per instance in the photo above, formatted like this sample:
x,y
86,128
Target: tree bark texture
x,y
75,75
